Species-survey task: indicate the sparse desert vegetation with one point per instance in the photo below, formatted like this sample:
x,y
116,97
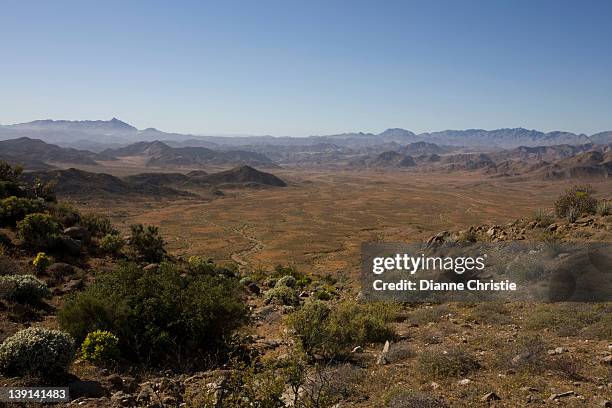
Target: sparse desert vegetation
x,y
252,299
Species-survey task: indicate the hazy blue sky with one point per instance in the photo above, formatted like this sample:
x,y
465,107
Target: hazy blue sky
x,y
309,67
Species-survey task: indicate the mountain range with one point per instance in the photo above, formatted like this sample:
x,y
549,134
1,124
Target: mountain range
x,y
95,134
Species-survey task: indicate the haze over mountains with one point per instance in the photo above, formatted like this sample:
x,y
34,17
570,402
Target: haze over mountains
x,y
97,133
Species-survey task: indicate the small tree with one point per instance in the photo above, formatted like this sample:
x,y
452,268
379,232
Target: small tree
x,y
146,243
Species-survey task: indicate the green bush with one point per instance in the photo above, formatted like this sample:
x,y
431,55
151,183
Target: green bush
x,y
65,214
575,202
36,352
23,288
100,347
97,225
146,243
323,294
333,332
112,244
198,264
42,262
159,317
287,280
38,231
14,209
283,295
439,364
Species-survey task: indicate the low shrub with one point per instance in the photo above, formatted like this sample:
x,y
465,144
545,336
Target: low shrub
x,y
38,230
333,332
198,264
283,295
287,280
111,244
42,261
36,352
100,347
569,320
543,217
527,353
23,288
65,214
146,243
575,202
246,280
490,312
323,294
426,315
440,364
97,225
604,208
402,398
8,266
159,317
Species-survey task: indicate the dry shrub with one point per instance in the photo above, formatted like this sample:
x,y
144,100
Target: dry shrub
x,y
442,364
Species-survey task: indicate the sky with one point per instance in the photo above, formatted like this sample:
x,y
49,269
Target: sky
x,y
299,68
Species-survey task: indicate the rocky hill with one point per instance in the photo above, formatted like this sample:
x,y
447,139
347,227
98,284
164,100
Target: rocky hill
x,y
83,184
32,152
240,176
159,154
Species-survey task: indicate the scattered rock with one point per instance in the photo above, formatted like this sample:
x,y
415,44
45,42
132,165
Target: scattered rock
x,y
59,270
464,381
68,245
554,397
254,288
80,233
122,399
490,397
72,285
115,381
151,267
382,359
558,350
89,389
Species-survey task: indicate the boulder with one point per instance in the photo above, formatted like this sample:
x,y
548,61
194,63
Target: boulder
x,y
79,233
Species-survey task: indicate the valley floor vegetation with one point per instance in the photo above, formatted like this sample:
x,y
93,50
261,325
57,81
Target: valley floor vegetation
x,y
124,322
